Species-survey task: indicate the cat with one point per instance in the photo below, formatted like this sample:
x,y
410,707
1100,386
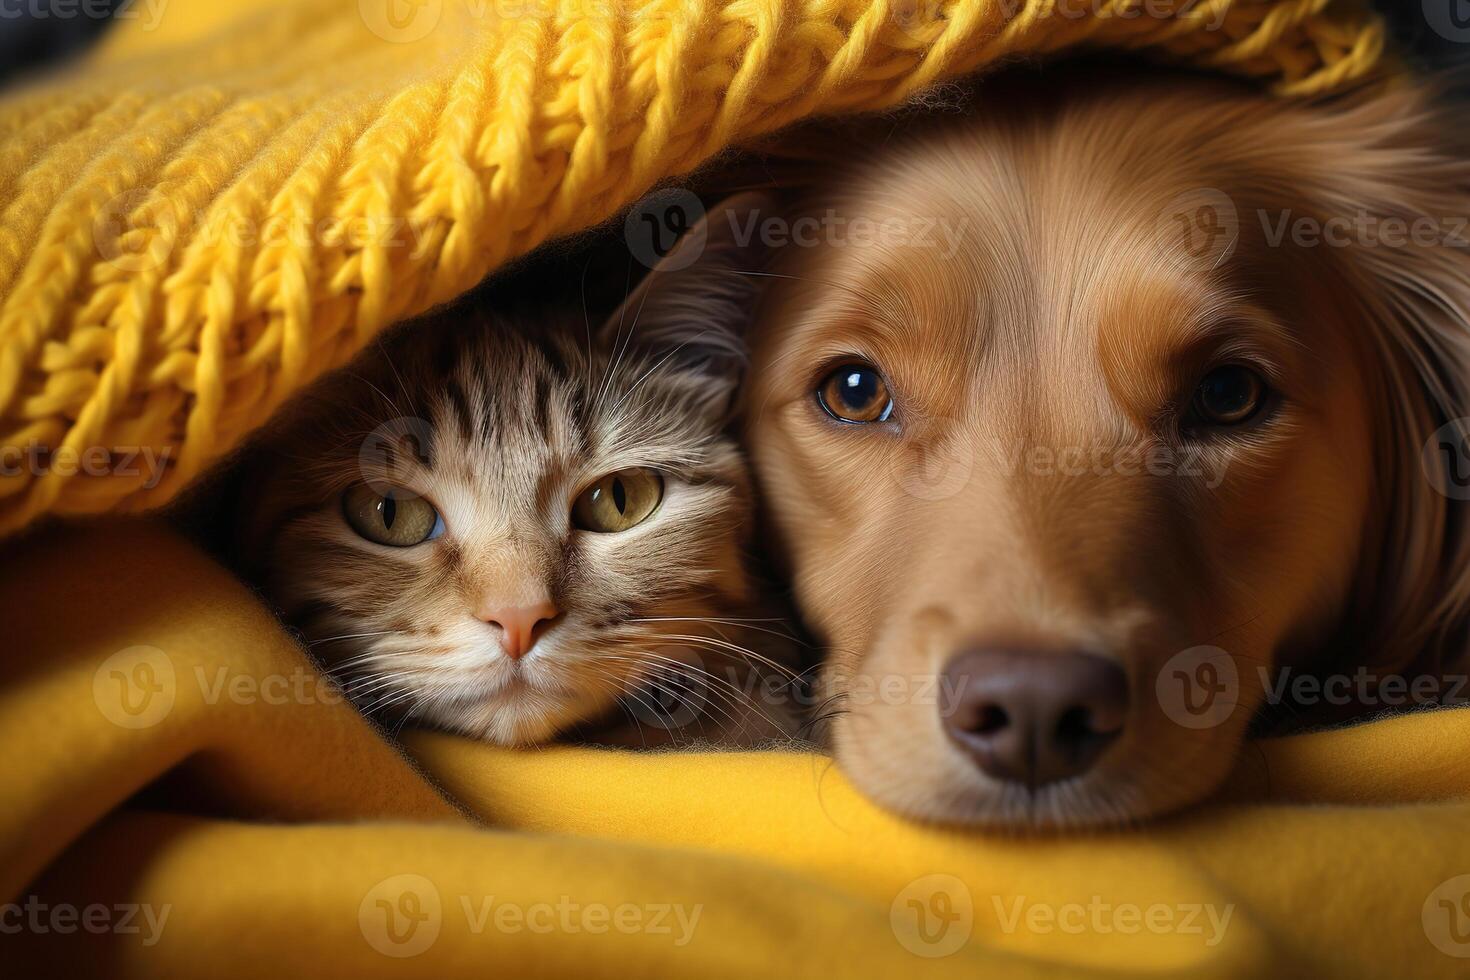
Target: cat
x,y
518,528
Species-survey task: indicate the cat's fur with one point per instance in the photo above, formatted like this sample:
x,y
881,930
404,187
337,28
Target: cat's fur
x,y
500,422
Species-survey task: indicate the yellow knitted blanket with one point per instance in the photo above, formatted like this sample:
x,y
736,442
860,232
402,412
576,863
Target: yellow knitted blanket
x,y
231,198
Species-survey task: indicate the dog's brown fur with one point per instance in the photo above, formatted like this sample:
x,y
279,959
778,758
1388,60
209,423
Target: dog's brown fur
x,y
1076,315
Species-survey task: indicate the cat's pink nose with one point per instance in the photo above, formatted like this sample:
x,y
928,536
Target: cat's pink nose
x,y
520,626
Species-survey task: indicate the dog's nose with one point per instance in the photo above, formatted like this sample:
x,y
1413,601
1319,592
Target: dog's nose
x,y
520,626
1033,717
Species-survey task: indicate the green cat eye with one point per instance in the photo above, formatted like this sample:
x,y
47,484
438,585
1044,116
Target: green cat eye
x,y
618,501
397,519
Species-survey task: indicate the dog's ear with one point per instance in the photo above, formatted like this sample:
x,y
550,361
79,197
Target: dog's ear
x,y
1401,159
692,309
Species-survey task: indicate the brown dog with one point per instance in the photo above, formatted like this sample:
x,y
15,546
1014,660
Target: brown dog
x,y
1086,419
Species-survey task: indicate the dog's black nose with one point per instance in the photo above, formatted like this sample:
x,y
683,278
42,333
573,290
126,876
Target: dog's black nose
x,y
1033,717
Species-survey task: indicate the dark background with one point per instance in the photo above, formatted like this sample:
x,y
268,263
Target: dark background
x,y
37,32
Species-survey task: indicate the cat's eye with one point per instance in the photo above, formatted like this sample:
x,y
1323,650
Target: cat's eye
x,y
1228,396
855,393
618,501
396,518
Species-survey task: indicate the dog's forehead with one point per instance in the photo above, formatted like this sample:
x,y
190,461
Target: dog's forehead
x,y
979,240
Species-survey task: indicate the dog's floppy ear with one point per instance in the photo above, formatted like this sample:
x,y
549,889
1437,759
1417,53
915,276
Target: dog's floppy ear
x,y
692,309
1402,159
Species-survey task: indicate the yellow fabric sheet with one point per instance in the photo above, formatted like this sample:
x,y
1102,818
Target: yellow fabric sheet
x,y
168,749
236,195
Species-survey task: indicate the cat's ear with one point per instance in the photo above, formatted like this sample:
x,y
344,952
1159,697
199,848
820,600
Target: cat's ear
x,y
694,307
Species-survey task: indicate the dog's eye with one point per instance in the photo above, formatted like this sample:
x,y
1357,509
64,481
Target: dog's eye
x,y
396,518
618,501
855,393
1229,395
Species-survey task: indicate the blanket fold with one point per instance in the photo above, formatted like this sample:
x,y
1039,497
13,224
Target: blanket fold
x,y
229,199
273,822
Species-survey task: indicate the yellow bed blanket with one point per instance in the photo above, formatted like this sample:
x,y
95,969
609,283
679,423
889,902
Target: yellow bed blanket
x,y
228,200
184,798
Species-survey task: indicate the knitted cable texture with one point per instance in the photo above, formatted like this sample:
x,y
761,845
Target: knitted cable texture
x,y
194,224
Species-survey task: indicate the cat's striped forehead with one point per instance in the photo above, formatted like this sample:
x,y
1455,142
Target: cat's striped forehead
x,y
524,415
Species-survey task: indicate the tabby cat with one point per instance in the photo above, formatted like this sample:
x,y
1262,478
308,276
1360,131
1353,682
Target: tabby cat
x,y
517,527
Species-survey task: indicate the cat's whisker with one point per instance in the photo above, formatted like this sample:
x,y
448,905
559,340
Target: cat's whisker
x,y
696,671
387,701
658,364
735,648
747,624
738,623
347,636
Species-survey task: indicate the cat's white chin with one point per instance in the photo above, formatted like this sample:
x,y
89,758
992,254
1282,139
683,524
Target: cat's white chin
x,y
525,717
